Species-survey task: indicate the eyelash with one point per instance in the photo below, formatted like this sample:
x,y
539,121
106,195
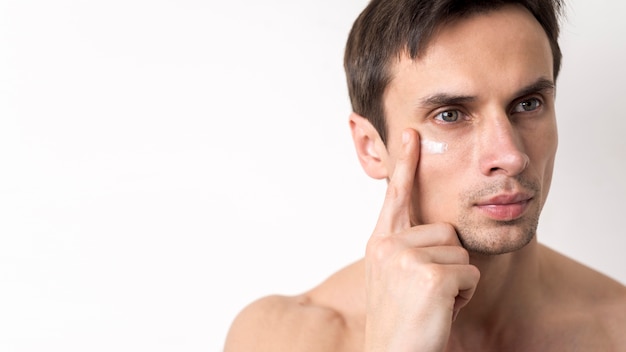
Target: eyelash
x,y
534,101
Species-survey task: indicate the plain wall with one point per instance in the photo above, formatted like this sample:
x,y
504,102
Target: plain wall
x,y
164,163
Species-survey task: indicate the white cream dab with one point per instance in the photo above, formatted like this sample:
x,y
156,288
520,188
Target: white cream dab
x,y
433,147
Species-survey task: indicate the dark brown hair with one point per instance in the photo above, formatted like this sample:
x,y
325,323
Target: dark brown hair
x,y
389,28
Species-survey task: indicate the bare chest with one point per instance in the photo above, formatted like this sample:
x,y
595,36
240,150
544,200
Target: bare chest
x,y
564,337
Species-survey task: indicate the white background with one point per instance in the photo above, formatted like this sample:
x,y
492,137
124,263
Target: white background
x,y
164,163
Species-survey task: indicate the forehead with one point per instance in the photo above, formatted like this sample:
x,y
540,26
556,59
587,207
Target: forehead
x,y
494,52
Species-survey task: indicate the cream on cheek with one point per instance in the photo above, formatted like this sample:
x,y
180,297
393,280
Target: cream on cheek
x,y
449,143
433,147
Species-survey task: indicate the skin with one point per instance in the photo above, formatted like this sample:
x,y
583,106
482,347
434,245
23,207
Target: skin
x,y
453,263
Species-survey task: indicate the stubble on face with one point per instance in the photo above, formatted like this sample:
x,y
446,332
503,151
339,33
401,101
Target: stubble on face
x,y
485,236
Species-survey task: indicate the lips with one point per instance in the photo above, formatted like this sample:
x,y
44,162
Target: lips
x,y
505,207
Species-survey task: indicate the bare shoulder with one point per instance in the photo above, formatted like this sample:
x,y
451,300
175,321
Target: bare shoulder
x,y
608,311
591,303
286,323
327,318
589,283
612,315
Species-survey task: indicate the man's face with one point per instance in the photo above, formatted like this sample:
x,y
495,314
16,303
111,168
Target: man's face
x,y
481,97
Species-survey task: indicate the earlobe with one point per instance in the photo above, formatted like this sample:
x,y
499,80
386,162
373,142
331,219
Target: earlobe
x,y
370,148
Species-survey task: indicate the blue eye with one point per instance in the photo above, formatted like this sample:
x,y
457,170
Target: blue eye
x,y
448,116
527,105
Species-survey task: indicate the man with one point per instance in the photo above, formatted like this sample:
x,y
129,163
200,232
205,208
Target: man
x,y
454,106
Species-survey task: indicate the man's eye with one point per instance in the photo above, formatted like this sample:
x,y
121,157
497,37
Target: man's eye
x,y
448,116
527,105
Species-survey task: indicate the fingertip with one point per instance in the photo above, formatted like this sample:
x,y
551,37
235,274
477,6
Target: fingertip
x,y
417,141
406,136
410,143
409,135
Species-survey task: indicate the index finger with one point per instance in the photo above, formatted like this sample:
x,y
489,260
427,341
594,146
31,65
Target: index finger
x,y
395,215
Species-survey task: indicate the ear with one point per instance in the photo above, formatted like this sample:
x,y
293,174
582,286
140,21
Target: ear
x,y
370,148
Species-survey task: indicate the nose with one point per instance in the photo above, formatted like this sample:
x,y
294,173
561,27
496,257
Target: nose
x,y
502,149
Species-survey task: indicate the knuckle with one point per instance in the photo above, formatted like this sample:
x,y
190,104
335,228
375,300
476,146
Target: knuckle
x,y
378,249
448,233
462,254
433,276
475,273
392,191
409,260
396,191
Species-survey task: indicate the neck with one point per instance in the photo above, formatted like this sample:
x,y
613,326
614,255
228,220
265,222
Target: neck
x,y
507,289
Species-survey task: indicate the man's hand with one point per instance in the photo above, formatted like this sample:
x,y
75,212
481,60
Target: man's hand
x,y
418,276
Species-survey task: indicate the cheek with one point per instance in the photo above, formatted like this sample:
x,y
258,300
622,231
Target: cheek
x,y
545,166
438,184
542,150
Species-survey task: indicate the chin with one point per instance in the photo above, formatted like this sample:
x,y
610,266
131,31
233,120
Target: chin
x,y
497,238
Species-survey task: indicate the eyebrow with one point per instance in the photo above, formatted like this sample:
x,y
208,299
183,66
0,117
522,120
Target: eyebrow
x,y
541,85
443,99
